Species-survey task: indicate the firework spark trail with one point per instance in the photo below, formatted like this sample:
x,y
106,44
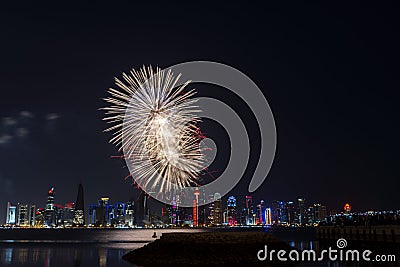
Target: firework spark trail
x,y
154,125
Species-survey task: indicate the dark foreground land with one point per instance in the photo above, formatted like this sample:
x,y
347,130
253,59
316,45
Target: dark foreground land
x,y
207,249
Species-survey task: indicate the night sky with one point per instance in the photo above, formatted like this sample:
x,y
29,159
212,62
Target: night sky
x,y
329,73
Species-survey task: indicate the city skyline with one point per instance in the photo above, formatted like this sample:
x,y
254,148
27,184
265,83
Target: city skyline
x,y
331,87
283,142
296,211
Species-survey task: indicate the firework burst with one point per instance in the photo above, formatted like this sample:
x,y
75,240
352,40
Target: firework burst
x,y
154,124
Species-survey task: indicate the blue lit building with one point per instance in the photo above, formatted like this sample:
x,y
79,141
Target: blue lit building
x,y
231,211
119,214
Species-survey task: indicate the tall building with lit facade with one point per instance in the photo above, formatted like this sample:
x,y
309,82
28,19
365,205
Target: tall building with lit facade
x,y
11,214
278,212
59,210
202,208
50,213
261,213
92,214
195,216
39,218
217,209
106,214
290,213
100,212
142,210
129,214
268,216
319,213
231,211
79,213
250,215
174,212
210,211
301,215
22,215
68,214
120,211
110,214
164,215
309,217
32,215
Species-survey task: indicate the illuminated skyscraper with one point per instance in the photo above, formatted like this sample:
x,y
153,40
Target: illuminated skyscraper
x,y
217,209
110,214
39,218
261,212
168,213
243,216
268,216
319,213
142,210
249,211
22,215
196,208
11,214
165,215
50,214
120,211
59,210
225,217
202,209
275,211
100,212
278,212
68,214
309,218
32,215
174,212
92,214
301,215
79,213
129,214
290,212
231,211
50,199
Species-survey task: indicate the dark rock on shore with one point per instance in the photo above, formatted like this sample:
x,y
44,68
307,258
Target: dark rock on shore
x,y
208,249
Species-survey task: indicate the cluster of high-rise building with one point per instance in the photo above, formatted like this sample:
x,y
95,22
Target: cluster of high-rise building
x,y
231,212
297,213
105,214
52,215
72,214
242,212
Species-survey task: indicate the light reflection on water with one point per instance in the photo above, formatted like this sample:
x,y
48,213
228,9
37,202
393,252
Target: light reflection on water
x,y
103,248
106,248
62,255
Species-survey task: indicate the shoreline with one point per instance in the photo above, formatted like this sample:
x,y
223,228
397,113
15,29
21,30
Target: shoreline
x,y
141,234
132,235
73,235
207,249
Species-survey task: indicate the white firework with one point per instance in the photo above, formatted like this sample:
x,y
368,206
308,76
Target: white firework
x,y
154,125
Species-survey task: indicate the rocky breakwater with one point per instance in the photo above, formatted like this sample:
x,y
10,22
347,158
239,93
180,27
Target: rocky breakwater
x,y
207,249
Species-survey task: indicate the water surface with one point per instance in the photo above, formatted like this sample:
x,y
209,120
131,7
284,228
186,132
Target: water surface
x,y
86,247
